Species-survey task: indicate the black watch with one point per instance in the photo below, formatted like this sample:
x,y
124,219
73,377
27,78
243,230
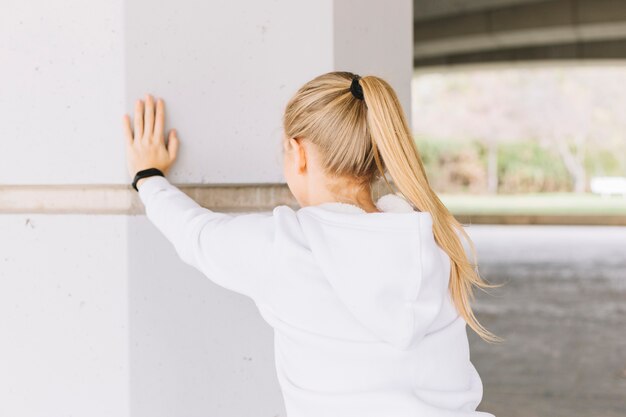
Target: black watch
x,y
146,173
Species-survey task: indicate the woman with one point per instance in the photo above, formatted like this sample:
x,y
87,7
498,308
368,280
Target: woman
x,y
369,300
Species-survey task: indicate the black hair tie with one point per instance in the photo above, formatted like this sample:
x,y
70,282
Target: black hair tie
x,y
355,88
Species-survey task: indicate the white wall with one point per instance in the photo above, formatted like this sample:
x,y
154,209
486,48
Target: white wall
x,y
98,316
62,93
226,68
63,316
63,278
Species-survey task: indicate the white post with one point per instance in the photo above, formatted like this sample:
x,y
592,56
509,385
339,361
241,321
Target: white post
x,y
98,316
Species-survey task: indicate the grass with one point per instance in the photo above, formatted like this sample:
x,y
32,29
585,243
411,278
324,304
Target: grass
x,y
539,203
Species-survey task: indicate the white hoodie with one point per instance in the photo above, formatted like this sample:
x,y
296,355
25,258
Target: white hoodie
x,y
364,325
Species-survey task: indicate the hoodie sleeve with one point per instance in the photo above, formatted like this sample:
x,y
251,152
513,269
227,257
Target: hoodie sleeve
x,y
233,251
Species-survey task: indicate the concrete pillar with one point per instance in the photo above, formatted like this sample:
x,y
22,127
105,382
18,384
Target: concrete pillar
x,y
98,316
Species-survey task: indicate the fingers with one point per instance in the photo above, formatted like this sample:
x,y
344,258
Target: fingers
x,y
139,119
160,121
148,127
128,133
172,145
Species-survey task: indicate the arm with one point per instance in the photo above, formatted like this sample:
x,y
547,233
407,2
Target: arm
x,y
234,251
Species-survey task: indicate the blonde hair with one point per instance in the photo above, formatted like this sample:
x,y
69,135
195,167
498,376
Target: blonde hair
x,y
349,134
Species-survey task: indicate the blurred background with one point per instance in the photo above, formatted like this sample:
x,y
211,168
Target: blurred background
x,y
519,111
535,139
518,108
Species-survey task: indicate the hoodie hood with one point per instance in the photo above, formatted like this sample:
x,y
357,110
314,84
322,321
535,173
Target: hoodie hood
x,y
385,267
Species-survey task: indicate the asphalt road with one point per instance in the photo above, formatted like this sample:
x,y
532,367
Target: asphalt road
x,y
562,312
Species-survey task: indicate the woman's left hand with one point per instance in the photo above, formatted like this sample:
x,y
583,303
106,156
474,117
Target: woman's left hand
x,y
145,147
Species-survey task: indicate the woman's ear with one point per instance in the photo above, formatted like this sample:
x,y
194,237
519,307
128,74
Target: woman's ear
x,y
299,154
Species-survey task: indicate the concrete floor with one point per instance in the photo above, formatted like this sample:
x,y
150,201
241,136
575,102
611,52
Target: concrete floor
x,y
562,312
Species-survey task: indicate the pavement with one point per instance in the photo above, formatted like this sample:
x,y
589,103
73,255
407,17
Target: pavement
x,y
562,313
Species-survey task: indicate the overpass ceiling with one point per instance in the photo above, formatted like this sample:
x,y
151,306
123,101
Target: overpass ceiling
x,y
449,32
425,9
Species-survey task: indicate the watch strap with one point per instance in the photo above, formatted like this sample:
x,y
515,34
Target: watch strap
x,y
146,173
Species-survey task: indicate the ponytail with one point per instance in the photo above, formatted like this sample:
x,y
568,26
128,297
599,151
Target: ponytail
x,y
391,136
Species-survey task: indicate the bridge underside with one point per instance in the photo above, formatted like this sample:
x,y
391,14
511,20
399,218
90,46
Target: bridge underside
x,y
449,32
